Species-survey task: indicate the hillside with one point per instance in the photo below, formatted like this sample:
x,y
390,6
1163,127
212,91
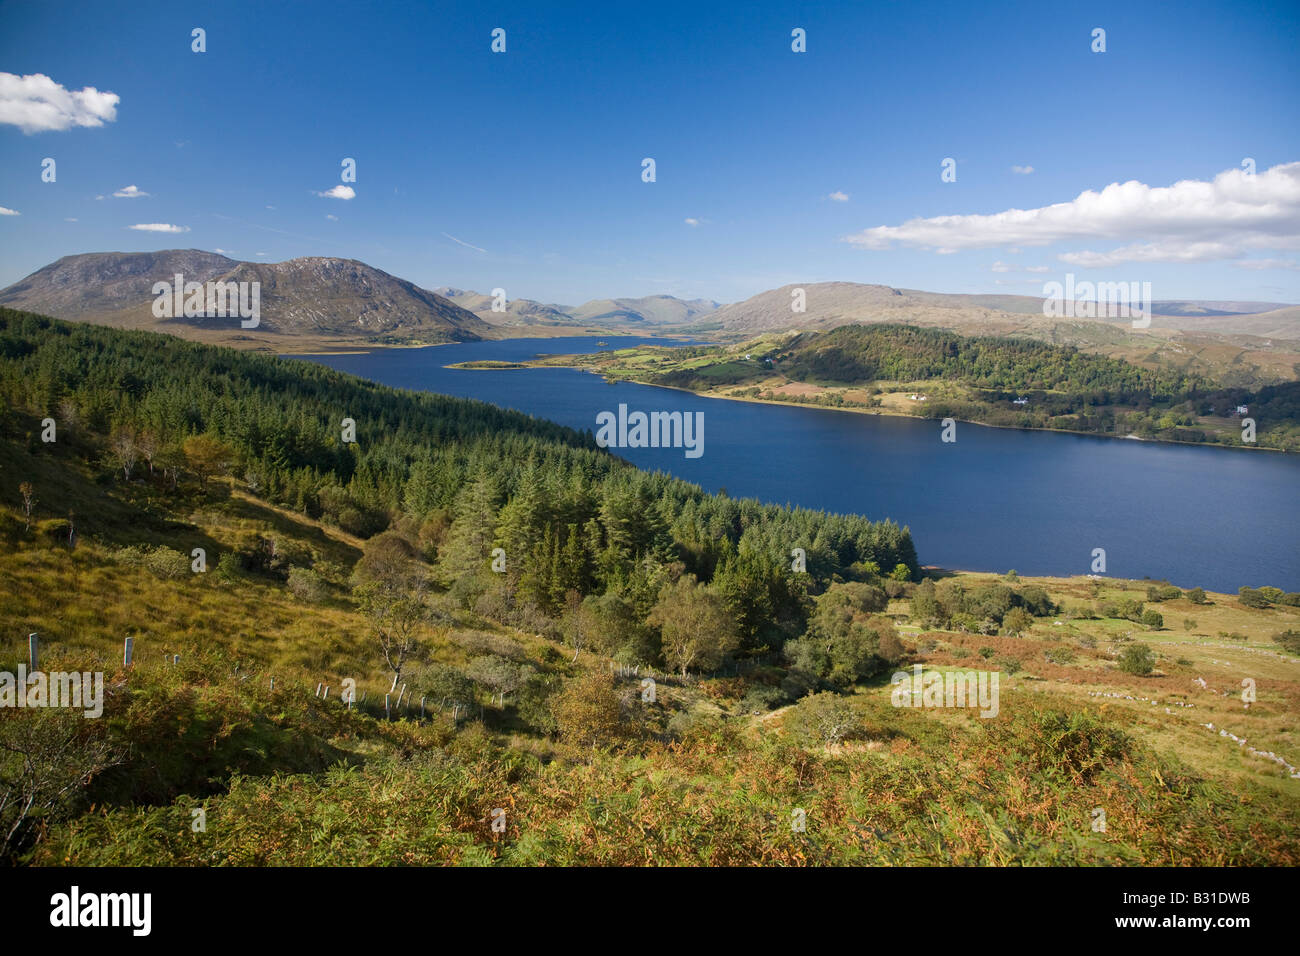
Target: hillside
x,y
519,728
304,302
1009,381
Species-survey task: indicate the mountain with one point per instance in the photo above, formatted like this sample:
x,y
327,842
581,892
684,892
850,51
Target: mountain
x,y
647,310
656,310
1198,307
312,300
832,304
518,311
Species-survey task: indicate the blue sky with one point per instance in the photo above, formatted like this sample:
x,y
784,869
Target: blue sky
x,y
532,158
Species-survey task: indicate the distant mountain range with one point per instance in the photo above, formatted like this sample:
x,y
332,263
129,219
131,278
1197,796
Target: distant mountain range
x,y
656,310
831,304
336,303
313,299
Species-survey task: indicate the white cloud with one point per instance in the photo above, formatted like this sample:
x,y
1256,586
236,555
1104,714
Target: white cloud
x,y
261,253
839,196
9,212
130,192
35,104
1262,264
158,227
691,222
224,252
338,192
1012,267
1190,221
1022,170
332,217
69,219
1175,250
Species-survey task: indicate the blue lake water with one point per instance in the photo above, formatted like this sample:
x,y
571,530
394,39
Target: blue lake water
x,y
995,499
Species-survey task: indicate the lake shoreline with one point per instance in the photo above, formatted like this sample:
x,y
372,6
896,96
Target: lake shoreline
x,y
877,412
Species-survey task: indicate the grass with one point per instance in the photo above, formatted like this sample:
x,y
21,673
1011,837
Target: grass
x,y
287,778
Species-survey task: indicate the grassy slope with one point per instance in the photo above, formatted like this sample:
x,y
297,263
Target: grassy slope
x,y
912,787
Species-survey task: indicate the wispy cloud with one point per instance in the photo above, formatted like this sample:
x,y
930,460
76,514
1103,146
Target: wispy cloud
x,y
1265,264
36,104
464,243
839,196
158,227
130,192
9,212
338,192
330,216
1190,221
1013,267
1022,170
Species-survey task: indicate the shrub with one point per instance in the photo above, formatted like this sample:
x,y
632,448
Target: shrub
x,y
1016,621
306,585
132,556
588,713
1037,602
167,563
987,652
1152,618
229,567
1252,597
1011,665
762,698
1288,639
1137,659
1072,745
1196,595
1061,655
823,719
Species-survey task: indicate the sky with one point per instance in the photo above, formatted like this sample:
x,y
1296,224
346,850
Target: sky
x,y
523,170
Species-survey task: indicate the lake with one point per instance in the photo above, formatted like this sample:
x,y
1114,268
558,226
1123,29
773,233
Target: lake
x,y
994,499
